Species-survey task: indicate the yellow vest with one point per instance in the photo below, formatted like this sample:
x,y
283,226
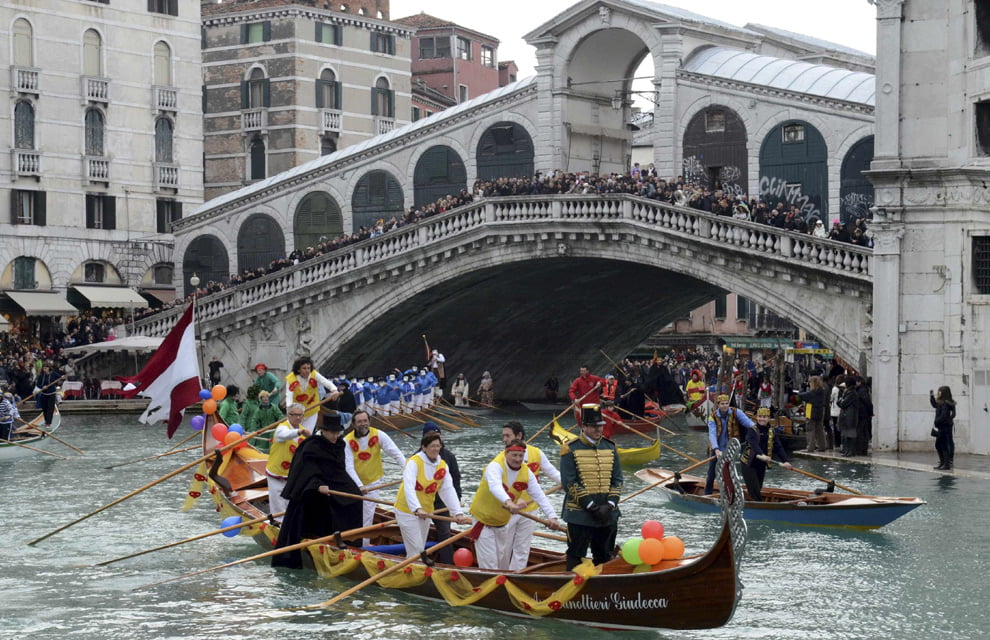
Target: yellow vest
x,y
533,459
280,456
426,488
486,507
305,393
695,390
367,462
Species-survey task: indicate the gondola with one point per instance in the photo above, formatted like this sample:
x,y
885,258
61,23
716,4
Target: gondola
x,y
34,439
693,592
787,506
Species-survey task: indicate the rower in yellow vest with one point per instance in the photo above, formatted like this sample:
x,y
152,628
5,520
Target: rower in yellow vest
x,y
287,437
303,385
497,505
365,446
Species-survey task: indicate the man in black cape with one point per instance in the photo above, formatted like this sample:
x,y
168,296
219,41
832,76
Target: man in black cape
x,y
317,467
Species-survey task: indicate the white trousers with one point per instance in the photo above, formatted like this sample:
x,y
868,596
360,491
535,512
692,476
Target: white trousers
x,y
494,547
414,531
276,503
522,541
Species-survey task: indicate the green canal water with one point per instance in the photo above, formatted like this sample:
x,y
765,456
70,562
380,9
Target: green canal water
x,y
922,577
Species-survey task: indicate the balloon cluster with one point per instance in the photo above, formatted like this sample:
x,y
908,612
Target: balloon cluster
x,y
653,547
228,435
211,397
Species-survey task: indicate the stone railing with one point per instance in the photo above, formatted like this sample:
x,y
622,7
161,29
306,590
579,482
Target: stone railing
x,y
329,120
165,98
96,89
166,176
584,212
25,79
383,125
26,162
254,119
97,168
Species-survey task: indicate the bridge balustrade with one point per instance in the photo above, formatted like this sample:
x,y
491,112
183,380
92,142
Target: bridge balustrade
x,y
750,237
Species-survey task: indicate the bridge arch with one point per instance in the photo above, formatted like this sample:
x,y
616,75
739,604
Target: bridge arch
x,y
855,190
439,171
259,241
794,168
505,150
206,256
714,150
317,214
377,194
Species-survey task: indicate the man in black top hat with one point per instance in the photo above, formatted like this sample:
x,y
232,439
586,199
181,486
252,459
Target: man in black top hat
x,y
313,512
592,479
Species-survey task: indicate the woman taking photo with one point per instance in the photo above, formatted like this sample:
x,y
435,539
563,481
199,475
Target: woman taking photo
x,y
945,413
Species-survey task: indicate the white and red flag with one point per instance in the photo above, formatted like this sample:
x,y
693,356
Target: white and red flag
x,y
171,377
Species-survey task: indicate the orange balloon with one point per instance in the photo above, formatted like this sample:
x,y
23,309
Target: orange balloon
x,y
651,550
673,548
232,437
219,392
209,406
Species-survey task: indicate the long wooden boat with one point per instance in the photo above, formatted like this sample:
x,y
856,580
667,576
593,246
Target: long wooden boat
x,y
787,506
627,456
693,592
34,438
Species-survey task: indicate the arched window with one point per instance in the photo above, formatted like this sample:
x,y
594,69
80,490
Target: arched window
x,y
207,258
163,64
327,90
23,43
439,172
259,241
92,54
505,150
257,89
24,125
94,132
382,99
257,159
317,216
377,195
163,140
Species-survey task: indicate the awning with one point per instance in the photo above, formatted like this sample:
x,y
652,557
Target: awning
x,y
163,296
42,304
744,342
140,344
112,297
4,325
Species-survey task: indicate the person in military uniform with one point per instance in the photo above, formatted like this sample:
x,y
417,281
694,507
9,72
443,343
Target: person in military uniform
x,y
724,423
592,479
755,460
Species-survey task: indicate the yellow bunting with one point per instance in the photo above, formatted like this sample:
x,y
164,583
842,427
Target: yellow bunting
x,y
195,487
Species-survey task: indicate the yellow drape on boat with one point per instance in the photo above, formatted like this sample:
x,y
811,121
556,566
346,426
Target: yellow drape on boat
x,y
195,487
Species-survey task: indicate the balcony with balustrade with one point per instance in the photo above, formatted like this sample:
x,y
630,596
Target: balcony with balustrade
x,y
166,176
254,119
383,124
25,80
96,169
26,163
165,99
330,121
96,89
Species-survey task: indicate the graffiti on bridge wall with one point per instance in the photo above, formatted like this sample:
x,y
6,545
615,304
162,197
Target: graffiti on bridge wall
x,y
728,177
857,205
790,194
694,171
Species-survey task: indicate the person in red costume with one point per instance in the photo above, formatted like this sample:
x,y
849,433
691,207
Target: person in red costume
x,y
586,389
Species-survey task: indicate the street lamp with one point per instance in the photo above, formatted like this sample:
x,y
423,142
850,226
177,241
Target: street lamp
x,y
194,282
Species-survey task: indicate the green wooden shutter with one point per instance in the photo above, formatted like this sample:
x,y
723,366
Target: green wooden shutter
x,y
266,93
320,84
109,212
40,208
266,31
244,33
14,200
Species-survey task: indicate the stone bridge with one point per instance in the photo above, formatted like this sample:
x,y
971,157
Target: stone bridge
x,y
526,287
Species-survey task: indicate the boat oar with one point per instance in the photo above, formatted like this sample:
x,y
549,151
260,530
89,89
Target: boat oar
x,y
435,416
185,440
826,481
192,539
25,446
666,478
351,533
647,421
460,414
59,379
51,435
490,406
171,474
170,452
395,567
384,422
559,415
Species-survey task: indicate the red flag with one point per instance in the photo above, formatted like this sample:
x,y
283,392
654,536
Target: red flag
x,y
171,377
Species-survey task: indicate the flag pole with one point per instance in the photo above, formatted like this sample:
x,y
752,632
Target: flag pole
x,y
194,282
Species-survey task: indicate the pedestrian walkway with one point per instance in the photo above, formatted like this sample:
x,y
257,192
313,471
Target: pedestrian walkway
x,y
964,465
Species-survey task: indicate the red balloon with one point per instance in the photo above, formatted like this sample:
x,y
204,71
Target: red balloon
x,y
219,432
463,558
652,529
209,406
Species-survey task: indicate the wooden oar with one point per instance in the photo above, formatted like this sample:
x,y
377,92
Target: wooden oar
x,y
826,481
59,379
646,420
185,440
463,416
171,452
449,425
396,567
395,428
559,415
51,435
466,420
165,477
490,406
25,446
666,478
351,533
192,539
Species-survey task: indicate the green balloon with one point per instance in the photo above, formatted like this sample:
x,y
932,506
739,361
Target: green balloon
x,y
630,551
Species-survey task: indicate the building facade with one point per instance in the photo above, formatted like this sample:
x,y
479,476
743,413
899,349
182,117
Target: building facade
x,y
286,81
102,136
